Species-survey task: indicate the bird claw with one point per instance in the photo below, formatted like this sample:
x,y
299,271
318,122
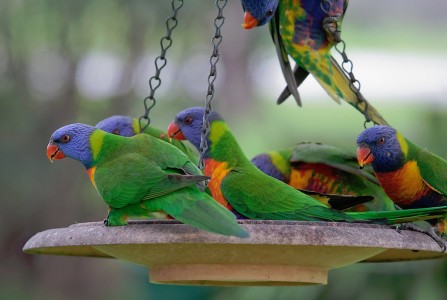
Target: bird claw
x,y
429,231
105,222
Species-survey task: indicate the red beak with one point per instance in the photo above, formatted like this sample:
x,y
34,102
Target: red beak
x,y
249,21
364,156
175,132
53,152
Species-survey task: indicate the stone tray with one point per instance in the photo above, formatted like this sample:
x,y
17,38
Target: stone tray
x,y
276,253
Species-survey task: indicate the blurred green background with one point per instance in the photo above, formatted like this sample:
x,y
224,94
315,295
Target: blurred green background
x,y
67,61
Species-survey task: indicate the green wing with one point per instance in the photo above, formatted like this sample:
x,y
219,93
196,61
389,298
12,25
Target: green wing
x,y
400,216
190,206
259,196
332,156
139,168
131,178
361,181
433,170
289,75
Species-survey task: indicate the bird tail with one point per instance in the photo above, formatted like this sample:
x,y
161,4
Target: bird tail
x,y
338,88
198,209
338,202
400,216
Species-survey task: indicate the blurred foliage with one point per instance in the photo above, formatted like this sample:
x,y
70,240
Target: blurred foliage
x,y
43,47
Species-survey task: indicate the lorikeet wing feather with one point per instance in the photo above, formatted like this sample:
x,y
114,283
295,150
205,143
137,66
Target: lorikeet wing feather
x,y
433,170
332,156
273,201
289,75
134,176
193,207
339,202
400,216
325,169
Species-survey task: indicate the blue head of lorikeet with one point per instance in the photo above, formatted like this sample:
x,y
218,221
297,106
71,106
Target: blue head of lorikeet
x,y
380,147
188,125
120,125
71,141
258,13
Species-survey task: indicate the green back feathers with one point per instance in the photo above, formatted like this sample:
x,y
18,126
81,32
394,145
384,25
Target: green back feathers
x,y
433,168
133,169
160,134
223,145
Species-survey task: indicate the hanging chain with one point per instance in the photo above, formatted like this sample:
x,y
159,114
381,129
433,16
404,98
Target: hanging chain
x,y
160,63
217,39
330,25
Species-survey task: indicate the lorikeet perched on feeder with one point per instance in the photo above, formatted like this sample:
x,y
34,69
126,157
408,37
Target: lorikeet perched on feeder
x,y
302,35
142,174
412,177
127,126
323,169
236,182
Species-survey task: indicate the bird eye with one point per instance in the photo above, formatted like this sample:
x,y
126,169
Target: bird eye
x,y
187,120
65,138
382,140
116,131
269,13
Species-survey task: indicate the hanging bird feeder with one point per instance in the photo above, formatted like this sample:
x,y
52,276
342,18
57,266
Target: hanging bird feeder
x,y
276,253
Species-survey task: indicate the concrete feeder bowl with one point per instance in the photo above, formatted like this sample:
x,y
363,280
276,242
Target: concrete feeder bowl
x,y
277,253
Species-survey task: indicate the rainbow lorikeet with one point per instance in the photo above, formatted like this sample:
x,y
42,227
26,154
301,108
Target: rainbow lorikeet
x,y
412,177
139,175
323,169
300,25
237,183
127,126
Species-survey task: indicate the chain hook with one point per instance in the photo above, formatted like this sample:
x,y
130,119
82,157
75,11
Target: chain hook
x,y
160,62
331,26
214,59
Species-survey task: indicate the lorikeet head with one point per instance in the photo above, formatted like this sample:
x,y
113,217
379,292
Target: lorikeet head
x,y
258,12
71,141
187,125
120,125
265,163
380,146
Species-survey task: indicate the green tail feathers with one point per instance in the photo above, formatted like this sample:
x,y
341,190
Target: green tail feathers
x,y
400,216
197,209
341,88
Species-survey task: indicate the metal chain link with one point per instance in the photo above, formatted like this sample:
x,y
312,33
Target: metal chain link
x,y
160,62
330,25
216,40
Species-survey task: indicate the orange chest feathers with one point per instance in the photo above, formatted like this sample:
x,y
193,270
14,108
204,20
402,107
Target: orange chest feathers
x,y
405,185
91,175
217,171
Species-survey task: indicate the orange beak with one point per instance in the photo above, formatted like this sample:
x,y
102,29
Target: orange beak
x,y
249,21
175,132
364,156
53,152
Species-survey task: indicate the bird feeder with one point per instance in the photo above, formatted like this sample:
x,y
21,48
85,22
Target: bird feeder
x,y
277,253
